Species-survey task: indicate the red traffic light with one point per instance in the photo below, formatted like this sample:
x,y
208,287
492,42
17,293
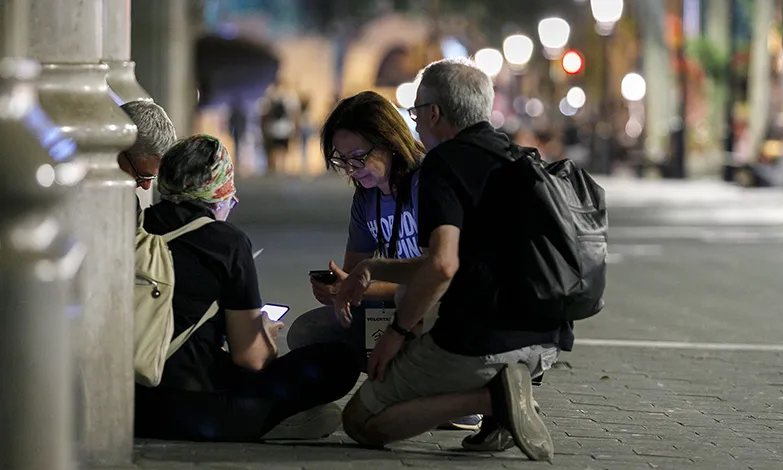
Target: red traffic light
x,y
572,62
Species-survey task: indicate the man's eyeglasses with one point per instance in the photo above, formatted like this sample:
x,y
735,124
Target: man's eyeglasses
x,y
412,110
355,162
140,179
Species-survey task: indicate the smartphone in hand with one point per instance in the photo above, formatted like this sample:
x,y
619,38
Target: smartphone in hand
x,y
324,276
275,312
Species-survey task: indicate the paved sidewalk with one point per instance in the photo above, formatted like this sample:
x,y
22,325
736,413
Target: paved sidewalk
x,y
613,408
616,408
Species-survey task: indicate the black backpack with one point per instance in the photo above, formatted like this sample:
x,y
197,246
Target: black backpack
x,y
552,267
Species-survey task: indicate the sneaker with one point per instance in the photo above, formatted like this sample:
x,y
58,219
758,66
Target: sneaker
x,y
538,380
314,423
466,423
536,406
526,426
492,437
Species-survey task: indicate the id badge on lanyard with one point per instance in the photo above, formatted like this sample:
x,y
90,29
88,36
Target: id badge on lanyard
x,y
377,316
391,251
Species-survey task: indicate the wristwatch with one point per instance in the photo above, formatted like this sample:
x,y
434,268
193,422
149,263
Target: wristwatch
x,y
407,334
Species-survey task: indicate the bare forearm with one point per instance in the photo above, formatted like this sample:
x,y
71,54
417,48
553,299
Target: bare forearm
x,y
268,340
424,291
398,271
380,291
249,340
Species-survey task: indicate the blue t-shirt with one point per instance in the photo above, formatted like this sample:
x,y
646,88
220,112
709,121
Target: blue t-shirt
x,y
363,229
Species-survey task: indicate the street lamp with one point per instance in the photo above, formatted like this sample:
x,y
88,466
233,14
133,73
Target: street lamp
x,y
406,94
554,33
606,14
490,61
518,50
633,87
576,97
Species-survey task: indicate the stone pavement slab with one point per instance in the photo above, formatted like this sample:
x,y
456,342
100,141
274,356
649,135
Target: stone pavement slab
x,y
606,408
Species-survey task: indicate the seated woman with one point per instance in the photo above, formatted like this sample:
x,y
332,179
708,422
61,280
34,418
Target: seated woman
x,y
366,138
208,394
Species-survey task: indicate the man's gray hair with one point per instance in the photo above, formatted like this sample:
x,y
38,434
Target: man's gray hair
x,y
156,133
463,92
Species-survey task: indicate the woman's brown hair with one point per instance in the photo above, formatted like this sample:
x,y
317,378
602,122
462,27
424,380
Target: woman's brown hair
x,y
379,122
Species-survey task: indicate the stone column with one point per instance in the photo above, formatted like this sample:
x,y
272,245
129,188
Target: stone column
x,y
718,30
67,38
759,74
659,100
37,261
162,40
121,78
117,52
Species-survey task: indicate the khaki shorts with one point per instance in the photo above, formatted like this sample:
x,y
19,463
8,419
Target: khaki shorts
x,y
423,369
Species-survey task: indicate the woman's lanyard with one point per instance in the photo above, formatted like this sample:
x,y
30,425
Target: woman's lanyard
x,y
395,231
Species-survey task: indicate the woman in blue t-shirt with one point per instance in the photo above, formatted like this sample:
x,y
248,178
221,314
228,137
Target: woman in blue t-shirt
x,y
367,139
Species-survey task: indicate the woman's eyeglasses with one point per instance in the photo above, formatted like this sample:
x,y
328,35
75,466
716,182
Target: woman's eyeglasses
x,y
355,162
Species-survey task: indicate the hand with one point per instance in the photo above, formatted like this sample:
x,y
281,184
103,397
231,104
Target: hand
x,y
324,293
272,327
341,275
350,292
386,348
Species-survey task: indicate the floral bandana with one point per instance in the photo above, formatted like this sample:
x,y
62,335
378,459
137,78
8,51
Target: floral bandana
x,y
219,186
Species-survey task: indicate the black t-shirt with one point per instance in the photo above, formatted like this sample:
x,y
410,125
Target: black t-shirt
x,y
212,263
454,178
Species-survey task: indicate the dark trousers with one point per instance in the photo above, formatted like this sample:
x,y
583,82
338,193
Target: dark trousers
x,y
256,402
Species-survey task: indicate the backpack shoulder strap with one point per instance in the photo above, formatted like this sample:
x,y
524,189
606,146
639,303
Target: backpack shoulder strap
x,y
177,342
512,152
140,221
517,151
192,226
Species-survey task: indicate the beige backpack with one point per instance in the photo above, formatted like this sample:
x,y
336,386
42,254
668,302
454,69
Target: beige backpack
x,y
154,311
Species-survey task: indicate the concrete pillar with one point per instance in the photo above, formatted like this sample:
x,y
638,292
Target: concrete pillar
x,y
121,78
718,29
67,38
759,74
660,98
117,52
37,263
162,44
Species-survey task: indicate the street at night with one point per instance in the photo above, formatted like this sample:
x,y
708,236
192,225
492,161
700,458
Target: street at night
x,y
682,369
